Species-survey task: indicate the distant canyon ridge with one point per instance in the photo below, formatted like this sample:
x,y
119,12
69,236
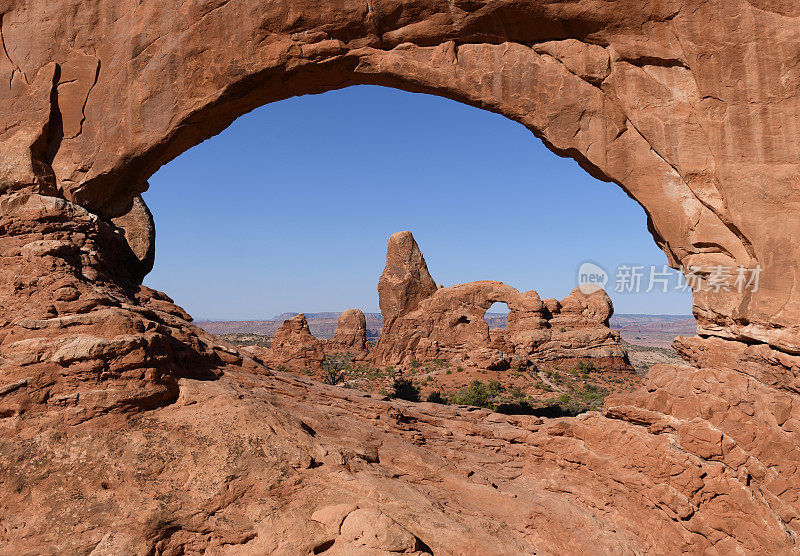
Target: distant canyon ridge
x,y
639,329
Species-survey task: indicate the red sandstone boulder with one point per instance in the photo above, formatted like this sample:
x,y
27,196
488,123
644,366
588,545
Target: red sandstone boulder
x,y
139,230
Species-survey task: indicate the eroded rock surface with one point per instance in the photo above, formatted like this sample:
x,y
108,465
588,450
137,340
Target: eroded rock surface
x,y
679,112
139,230
447,324
293,347
125,429
350,334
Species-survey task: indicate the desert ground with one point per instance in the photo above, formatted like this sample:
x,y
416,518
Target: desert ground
x,y
647,339
127,429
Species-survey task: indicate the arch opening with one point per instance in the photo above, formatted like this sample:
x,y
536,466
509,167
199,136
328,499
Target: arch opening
x,y
496,316
467,162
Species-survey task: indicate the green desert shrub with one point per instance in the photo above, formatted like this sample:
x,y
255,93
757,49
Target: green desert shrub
x,y
436,397
335,369
478,394
405,389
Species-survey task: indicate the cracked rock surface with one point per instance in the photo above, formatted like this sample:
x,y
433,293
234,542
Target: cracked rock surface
x,y
125,429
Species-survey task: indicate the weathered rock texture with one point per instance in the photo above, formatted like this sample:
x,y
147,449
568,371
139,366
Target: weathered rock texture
x,y
293,347
78,332
405,281
139,230
649,96
351,332
691,106
448,323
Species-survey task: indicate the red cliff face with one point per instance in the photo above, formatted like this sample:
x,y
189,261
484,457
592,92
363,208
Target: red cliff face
x,y
125,429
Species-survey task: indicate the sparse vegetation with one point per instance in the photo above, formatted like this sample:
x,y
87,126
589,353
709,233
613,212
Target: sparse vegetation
x,y
247,339
405,389
478,394
336,368
436,397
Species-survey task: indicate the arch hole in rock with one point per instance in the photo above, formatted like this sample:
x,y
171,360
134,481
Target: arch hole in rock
x,y
496,316
305,229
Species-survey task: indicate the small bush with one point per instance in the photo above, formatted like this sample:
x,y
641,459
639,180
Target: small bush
x,y
404,389
335,369
436,397
516,393
495,387
449,372
478,394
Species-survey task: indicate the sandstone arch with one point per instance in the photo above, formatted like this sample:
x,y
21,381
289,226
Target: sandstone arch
x,y
627,90
675,100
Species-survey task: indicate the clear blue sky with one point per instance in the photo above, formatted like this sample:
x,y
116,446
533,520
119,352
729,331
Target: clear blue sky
x,y
290,208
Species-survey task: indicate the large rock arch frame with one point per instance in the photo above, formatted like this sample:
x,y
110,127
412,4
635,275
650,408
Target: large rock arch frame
x,y
678,102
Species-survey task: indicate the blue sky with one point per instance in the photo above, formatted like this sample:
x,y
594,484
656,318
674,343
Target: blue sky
x,y
290,208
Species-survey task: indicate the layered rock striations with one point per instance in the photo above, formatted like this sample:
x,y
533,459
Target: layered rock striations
x,y
125,429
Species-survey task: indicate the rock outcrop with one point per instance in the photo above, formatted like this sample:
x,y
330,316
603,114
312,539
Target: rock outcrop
x,y
350,334
139,434
631,91
293,347
79,333
579,331
139,230
405,281
448,324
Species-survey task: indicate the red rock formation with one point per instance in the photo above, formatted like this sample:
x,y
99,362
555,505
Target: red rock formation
x,y
139,230
351,333
405,280
293,347
78,332
448,324
113,444
579,331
